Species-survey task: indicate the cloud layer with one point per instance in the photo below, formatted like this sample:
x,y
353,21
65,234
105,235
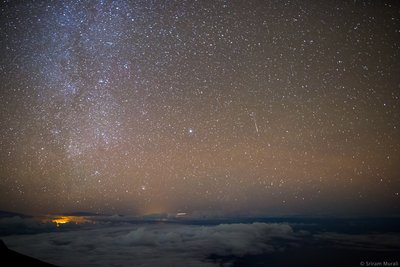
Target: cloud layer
x,y
151,245
126,242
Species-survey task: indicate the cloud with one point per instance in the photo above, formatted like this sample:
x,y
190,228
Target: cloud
x,y
152,244
18,225
372,241
223,239
123,241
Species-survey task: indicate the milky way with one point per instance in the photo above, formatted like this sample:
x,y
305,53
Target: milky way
x,y
272,107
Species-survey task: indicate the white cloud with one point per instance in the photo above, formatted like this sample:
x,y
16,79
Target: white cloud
x,y
150,244
122,241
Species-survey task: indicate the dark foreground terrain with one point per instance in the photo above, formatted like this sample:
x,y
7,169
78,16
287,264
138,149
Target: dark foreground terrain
x,y
12,258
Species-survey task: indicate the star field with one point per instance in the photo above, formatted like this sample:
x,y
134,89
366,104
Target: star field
x,y
182,106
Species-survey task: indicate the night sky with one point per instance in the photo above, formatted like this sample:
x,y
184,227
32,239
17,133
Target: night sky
x,y
239,107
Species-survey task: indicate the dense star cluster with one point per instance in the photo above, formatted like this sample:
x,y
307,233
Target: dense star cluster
x,y
183,106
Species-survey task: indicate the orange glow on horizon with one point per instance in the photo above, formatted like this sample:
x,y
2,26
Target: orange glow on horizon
x,y
59,220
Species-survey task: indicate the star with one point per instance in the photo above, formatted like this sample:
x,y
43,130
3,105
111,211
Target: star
x,y
202,105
